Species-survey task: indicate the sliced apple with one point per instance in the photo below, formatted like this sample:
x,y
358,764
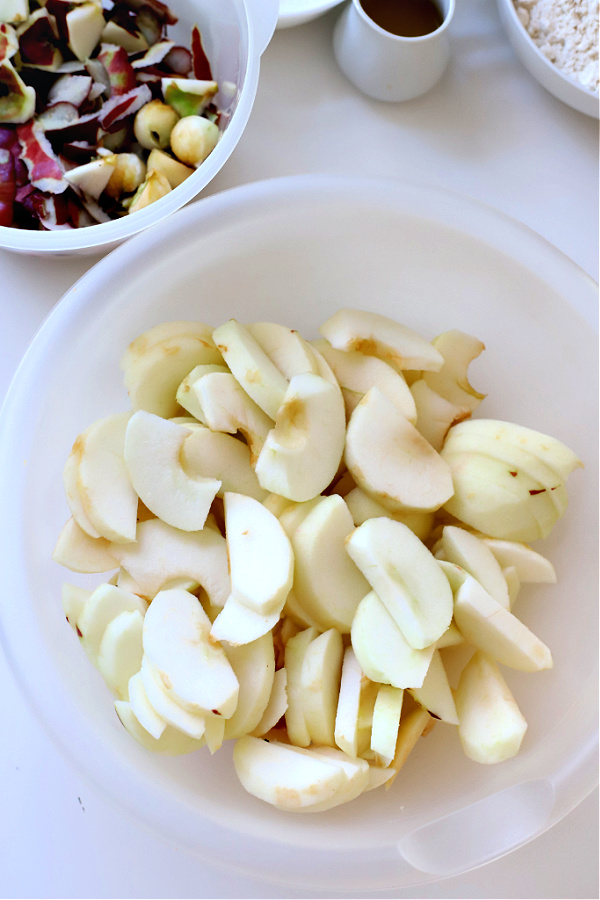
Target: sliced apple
x,y
254,667
363,507
77,551
434,414
435,694
285,348
186,394
302,452
108,498
214,733
472,555
237,624
357,373
189,723
295,720
73,601
294,611
492,726
496,631
320,684
450,638
163,553
142,709
70,477
530,565
347,713
191,665
376,335
260,555
276,706
390,460
92,177
84,23
451,381
406,578
252,368
381,649
104,605
513,584
170,743
412,726
386,721
356,772
227,407
120,652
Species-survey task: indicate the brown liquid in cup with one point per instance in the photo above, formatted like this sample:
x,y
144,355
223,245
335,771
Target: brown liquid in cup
x,y
406,18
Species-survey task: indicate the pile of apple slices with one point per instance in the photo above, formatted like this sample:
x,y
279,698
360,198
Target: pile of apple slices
x,y
298,534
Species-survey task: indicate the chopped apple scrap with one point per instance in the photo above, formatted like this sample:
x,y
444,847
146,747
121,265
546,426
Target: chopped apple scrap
x,y
298,532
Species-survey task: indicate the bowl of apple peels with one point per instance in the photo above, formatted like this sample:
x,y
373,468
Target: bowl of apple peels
x,y
311,533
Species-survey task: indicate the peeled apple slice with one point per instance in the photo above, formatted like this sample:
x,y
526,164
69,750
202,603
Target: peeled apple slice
x,y
435,415
192,666
276,706
144,712
347,713
102,606
120,652
363,507
376,335
237,624
170,743
389,459
254,667
435,694
356,771
186,392
284,347
406,578
320,684
70,477
73,601
153,458
227,407
386,721
472,555
530,565
491,727
295,719
168,709
77,551
212,454
451,381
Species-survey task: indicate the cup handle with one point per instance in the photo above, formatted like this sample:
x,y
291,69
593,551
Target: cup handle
x,y
263,15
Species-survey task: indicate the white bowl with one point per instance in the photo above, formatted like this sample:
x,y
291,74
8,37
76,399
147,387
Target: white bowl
x,y
298,12
234,33
294,250
549,76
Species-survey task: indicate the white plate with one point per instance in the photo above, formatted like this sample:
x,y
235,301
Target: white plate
x,y
294,250
297,12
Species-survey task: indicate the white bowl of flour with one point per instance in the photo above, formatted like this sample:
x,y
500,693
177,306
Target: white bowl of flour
x,y
557,41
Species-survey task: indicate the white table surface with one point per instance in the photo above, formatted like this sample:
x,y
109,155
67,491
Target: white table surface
x,y
487,130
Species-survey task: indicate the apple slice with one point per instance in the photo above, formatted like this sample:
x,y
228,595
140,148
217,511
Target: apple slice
x,y
434,414
356,772
451,382
73,601
435,694
376,335
189,723
295,720
170,743
260,554
413,725
285,348
163,553
530,565
192,666
287,779
301,454
104,605
214,733
320,685
513,584
390,460
152,455
252,368
254,667
77,551
363,507
294,611
70,477
227,407
186,394
386,721
120,652
237,624
347,713
212,454
406,577
108,498
491,727
472,555
146,715
276,706
381,650
156,363
450,638
327,583
496,631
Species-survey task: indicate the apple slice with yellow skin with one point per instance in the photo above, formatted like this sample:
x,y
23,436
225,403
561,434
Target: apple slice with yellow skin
x,y
254,667
252,368
156,363
73,601
186,394
327,583
153,458
213,454
191,665
386,721
492,726
451,381
70,476
103,605
227,407
260,555
120,652
77,551
376,335
435,694
357,373
320,684
189,723
142,709
496,631
301,454
472,555
295,719
390,460
363,507
434,414
107,495
530,565
406,578
381,649
163,553
170,743
285,348
276,706
237,624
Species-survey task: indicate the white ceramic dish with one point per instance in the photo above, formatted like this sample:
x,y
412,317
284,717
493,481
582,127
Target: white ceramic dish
x,y
298,12
549,76
294,250
235,33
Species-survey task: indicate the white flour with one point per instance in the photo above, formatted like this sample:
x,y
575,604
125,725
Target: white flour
x,y
566,31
